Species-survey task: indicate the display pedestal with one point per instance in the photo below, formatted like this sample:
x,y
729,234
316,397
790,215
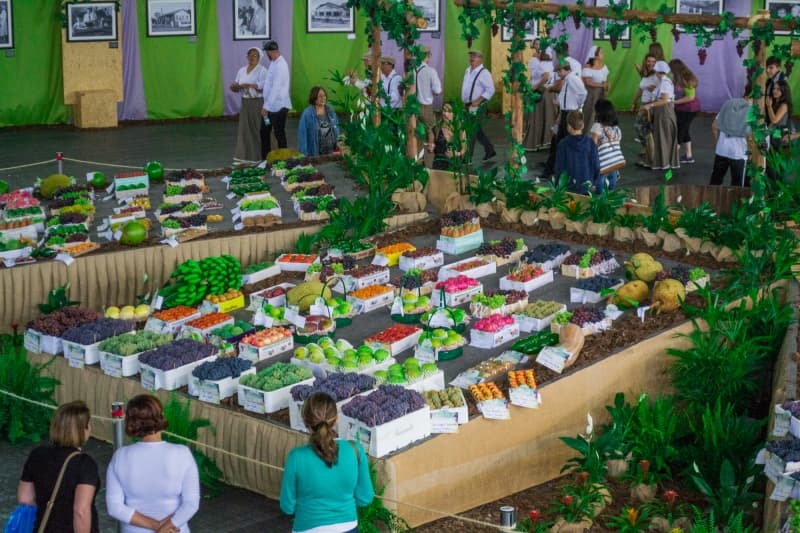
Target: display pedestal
x,y
95,109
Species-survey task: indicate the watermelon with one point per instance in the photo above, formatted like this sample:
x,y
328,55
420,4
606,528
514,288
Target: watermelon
x,y
99,180
133,233
3,187
155,170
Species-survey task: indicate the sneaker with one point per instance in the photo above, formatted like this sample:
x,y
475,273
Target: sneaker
x,y
642,164
489,156
686,159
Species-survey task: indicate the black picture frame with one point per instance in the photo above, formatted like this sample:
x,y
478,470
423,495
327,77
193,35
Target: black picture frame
x,y
779,9
327,16
92,22
165,18
534,31
6,24
432,11
246,23
599,34
698,7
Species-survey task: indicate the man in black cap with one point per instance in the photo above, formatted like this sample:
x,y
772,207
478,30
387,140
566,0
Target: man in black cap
x,y
276,99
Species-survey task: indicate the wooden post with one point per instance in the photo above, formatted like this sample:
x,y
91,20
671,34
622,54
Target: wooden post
x,y
761,58
411,125
376,74
517,107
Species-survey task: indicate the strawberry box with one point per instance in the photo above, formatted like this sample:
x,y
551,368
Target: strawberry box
x,y
389,437
261,401
454,299
492,339
472,267
528,286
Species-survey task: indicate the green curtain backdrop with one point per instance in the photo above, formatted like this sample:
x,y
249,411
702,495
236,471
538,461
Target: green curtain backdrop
x,y
456,54
316,55
182,78
32,81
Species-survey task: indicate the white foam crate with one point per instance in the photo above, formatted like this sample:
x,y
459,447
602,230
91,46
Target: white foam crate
x,y
425,262
155,379
477,310
389,437
81,354
461,412
514,257
349,283
205,332
554,263
582,296
433,382
212,391
261,275
527,286
574,271
528,323
159,326
275,211
376,302
588,329
294,267
448,271
256,354
118,366
296,410
486,339
454,299
40,343
460,245
397,347
260,401
15,254
258,300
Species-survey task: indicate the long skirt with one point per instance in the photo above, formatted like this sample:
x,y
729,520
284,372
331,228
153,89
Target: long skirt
x,y
248,141
593,94
538,129
665,138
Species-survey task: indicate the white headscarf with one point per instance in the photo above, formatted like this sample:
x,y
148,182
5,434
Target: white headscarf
x,y
260,53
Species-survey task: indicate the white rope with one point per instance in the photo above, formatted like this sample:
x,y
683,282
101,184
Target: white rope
x,y
278,468
95,163
28,165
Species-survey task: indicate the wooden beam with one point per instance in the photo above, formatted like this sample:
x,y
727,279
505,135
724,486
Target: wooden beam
x,y
628,14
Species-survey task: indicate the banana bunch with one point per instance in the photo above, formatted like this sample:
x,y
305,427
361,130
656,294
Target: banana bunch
x,y
193,280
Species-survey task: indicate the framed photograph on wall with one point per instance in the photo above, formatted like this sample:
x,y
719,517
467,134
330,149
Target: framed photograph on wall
x,y
430,10
95,21
697,7
330,16
167,18
6,25
781,8
600,33
251,20
531,31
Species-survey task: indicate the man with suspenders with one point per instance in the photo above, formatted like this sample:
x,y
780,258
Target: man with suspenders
x,y
428,86
570,98
391,81
476,90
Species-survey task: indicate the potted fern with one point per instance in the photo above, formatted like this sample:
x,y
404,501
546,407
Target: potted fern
x,y
625,223
694,225
483,193
602,208
517,193
554,199
652,223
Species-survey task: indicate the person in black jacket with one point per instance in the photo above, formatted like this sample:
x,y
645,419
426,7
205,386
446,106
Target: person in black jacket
x,y
576,155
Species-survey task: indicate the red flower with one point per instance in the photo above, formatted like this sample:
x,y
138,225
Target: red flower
x,y
670,496
534,514
644,464
583,477
14,325
628,206
567,500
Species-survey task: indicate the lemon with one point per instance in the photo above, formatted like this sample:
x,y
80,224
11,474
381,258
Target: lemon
x,y
127,312
141,311
112,312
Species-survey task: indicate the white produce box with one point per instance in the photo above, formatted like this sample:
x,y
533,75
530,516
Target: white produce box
x,y
479,310
260,401
118,366
397,347
460,245
205,332
157,325
258,299
296,410
528,323
448,271
574,271
294,267
40,343
527,286
433,382
389,437
256,354
376,302
554,263
349,283
425,262
212,391
454,299
14,254
486,339
155,379
261,275
81,354
588,329
582,296
461,412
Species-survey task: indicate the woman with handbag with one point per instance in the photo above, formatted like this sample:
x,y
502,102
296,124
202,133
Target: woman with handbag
x,y
665,123
61,480
326,479
608,137
152,485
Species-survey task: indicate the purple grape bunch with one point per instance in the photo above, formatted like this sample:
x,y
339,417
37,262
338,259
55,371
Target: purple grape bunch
x,y
457,218
584,315
103,329
786,449
597,283
388,403
229,367
503,248
176,354
545,252
337,386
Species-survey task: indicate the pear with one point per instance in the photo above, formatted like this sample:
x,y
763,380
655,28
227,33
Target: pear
x,y
668,295
631,294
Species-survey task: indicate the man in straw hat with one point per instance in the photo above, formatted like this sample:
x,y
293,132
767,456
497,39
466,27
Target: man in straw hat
x,y
391,80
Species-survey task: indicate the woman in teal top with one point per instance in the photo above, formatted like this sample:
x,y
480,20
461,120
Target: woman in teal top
x,y
326,479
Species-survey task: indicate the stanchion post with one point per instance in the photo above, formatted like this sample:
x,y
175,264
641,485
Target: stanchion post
x,y
118,417
60,159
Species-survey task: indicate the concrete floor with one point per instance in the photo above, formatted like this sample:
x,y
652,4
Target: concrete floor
x,y
209,144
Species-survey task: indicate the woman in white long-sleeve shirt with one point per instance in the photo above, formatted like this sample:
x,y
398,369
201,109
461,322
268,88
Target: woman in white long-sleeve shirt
x,y
151,485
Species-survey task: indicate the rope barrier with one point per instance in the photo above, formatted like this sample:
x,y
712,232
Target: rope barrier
x,y
26,166
443,514
96,164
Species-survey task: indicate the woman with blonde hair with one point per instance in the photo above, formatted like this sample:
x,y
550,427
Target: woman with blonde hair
x,y
326,479
59,478
152,485
595,78
686,105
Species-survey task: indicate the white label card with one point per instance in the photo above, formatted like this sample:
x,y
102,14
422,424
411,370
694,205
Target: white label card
x,y
444,421
113,366
154,325
495,410
65,258
33,341
209,392
783,488
783,420
171,242
238,226
294,317
641,312
230,195
524,396
75,362
774,467
553,357
380,260
262,319
397,306
148,379
254,401
158,302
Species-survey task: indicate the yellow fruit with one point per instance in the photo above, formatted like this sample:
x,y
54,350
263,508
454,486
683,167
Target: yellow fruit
x,y
642,266
112,312
141,311
631,294
668,295
127,313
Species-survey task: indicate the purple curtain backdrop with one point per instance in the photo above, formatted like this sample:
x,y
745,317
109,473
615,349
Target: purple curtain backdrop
x,y
722,77
580,40
133,106
389,48
233,53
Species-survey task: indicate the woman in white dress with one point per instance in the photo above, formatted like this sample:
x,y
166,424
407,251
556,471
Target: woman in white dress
x,y
249,83
540,120
665,123
595,78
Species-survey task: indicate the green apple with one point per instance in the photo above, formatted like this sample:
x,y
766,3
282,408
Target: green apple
x,y
315,357
436,343
439,333
330,352
409,307
424,301
411,362
343,345
381,354
301,352
409,297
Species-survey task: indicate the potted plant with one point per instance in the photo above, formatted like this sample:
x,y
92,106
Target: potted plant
x,y
575,509
517,193
576,215
483,193
643,487
624,224
670,241
667,514
532,214
652,223
554,198
602,209
694,226
630,520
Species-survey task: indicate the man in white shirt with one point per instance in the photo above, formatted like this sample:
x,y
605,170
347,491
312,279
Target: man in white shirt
x,y
276,99
390,80
476,90
570,98
428,86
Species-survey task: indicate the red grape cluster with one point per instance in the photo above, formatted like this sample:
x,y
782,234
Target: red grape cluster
x,y
457,218
512,297
55,324
503,248
584,315
420,252
366,270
